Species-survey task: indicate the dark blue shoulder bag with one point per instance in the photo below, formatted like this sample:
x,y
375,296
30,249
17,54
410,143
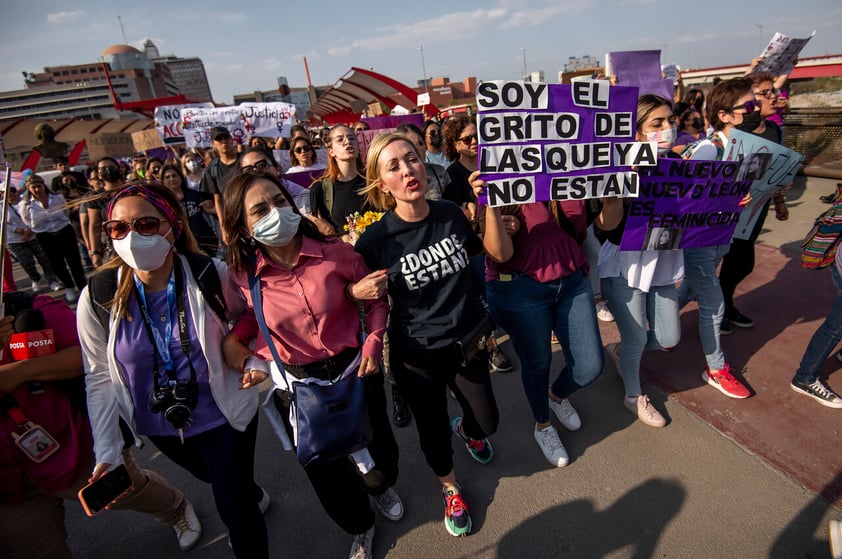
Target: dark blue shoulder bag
x,y
331,420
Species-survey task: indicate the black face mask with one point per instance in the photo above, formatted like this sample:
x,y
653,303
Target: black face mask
x,y
110,174
751,121
698,124
435,139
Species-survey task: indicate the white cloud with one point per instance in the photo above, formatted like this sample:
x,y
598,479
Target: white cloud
x,y
457,24
270,63
64,17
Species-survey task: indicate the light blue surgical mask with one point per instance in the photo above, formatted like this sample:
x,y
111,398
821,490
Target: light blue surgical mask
x,y
277,228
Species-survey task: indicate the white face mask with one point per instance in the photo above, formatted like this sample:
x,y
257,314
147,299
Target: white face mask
x,y
277,228
146,253
192,165
665,139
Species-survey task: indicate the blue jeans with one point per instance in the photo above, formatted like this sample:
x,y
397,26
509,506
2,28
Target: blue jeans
x,y
530,311
645,320
824,340
702,284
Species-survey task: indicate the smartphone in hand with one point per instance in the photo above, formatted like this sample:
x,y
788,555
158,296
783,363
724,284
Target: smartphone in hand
x,y
104,491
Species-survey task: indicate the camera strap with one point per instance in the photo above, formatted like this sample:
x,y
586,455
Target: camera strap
x,y
175,294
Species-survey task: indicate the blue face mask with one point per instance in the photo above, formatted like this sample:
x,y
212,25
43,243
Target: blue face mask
x,y
277,228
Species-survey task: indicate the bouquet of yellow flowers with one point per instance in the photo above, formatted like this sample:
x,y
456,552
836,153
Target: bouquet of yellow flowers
x,y
357,223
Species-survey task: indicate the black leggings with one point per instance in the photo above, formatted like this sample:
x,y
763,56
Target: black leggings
x,y
423,377
342,490
739,262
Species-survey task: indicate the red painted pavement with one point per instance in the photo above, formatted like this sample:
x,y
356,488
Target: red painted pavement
x,y
793,432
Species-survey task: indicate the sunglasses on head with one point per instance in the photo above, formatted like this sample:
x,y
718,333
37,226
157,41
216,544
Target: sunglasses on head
x,y
749,106
303,149
117,229
258,167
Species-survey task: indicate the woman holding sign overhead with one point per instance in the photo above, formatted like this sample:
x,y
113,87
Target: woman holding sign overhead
x,y
640,284
538,286
730,105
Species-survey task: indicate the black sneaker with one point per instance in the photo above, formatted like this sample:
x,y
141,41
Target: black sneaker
x,y
828,198
737,318
725,328
497,361
818,391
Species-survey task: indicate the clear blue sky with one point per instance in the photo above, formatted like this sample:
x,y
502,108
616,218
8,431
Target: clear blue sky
x,y
246,49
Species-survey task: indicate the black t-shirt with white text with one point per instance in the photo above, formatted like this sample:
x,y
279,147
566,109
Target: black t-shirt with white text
x,y
433,298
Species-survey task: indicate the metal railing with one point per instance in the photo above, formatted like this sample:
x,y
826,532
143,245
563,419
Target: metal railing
x,y
817,134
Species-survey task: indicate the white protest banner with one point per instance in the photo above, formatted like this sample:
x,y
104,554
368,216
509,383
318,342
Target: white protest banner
x,y
268,119
781,54
768,165
423,99
168,121
196,122
543,141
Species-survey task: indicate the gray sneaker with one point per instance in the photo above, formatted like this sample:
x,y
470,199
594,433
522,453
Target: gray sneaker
x,y
566,414
363,544
818,391
389,505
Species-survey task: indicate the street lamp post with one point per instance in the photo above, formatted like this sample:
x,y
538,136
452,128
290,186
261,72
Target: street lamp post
x,y
523,52
760,27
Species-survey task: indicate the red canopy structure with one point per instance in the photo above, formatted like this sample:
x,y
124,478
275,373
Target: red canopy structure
x,y
351,95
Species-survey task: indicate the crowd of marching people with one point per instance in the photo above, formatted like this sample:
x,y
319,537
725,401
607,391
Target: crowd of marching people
x,y
199,276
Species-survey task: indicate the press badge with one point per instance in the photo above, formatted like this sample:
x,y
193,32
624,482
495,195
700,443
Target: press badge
x,y
36,442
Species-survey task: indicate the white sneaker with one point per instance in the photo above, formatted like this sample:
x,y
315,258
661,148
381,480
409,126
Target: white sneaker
x,y
550,445
641,407
36,288
834,529
265,501
389,505
566,414
188,529
603,312
56,286
71,295
362,546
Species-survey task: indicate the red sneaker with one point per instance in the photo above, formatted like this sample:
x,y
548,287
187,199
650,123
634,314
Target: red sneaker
x,y
726,383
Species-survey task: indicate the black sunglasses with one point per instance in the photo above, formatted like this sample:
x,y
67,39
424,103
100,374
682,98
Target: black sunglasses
x,y
258,167
468,139
117,229
303,149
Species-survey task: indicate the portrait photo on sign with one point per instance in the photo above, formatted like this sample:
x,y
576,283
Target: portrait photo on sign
x,y
662,238
754,166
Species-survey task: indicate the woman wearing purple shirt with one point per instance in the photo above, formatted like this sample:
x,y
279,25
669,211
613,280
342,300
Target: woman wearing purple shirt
x,y
159,366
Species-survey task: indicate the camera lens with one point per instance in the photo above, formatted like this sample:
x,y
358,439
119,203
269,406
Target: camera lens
x,y
178,415
161,399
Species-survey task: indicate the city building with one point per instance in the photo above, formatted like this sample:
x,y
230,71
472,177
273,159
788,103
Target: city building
x,y
188,73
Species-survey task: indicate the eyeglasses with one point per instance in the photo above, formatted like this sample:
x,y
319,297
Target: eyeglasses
x,y
749,106
303,149
258,167
361,129
342,139
117,229
768,93
468,140
101,169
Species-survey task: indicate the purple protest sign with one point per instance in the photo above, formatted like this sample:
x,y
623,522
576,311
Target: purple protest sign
x,y
685,204
304,178
641,69
541,141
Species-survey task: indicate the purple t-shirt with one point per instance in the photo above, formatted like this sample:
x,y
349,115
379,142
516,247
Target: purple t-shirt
x,y
137,353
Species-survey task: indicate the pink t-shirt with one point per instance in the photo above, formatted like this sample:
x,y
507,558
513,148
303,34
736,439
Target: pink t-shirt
x,y
543,250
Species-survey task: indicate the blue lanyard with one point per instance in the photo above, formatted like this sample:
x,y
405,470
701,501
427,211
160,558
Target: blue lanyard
x,y
162,345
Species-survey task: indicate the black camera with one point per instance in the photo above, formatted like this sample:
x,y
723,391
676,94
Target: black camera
x,y
175,401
